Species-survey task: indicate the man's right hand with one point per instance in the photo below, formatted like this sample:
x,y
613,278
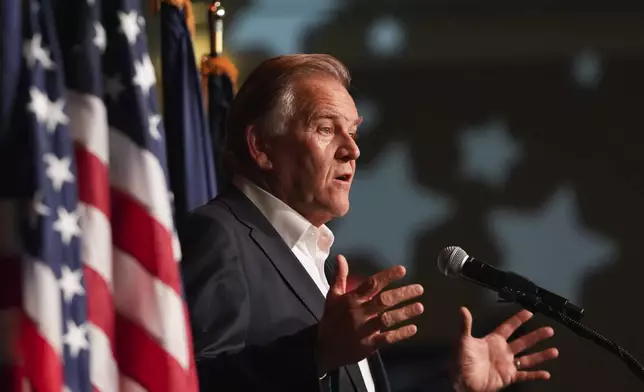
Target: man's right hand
x,y
357,323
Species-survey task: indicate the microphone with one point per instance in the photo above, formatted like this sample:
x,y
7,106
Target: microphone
x,y
453,261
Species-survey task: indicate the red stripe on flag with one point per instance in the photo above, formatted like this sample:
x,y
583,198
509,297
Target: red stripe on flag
x,y
135,232
141,358
100,305
42,366
93,180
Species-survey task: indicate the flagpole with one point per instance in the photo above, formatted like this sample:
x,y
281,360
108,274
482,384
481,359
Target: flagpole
x,y
216,13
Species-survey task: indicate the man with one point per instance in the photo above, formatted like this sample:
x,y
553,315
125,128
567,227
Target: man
x,y
254,257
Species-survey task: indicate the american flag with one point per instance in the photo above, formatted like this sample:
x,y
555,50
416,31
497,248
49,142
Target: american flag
x,y
101,306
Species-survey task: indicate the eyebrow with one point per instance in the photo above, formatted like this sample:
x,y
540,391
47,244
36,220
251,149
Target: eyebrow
x,y
333,116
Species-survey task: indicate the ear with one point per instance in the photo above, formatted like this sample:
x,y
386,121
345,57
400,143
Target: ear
x,y
257,148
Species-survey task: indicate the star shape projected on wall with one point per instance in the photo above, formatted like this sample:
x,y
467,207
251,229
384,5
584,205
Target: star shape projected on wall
x,y
369,111
387,210
551,246
488,153
386,37
587,68
277,27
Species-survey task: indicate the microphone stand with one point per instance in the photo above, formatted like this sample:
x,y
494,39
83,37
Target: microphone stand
x,y
535,304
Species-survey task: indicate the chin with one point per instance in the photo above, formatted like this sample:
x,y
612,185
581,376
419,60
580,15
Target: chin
x,y
336,205
340,209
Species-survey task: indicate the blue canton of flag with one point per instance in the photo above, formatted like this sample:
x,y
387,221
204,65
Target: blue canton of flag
x,y
54,302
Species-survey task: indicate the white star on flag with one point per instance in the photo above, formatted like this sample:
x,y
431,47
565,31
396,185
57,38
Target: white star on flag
x,y
70,283
39,104
46,111
34,52
144,77
58,170
153,126
38,208
76,338
99,37
113,87
129,25
56,115
67,225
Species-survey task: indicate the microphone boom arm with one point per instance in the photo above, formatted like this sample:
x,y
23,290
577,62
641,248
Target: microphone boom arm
x,y
533,303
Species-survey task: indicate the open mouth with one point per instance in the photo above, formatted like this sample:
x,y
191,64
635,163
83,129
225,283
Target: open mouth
x,y
345,177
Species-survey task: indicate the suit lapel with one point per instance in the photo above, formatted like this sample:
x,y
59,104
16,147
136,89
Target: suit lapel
x,y
356,377
276,250
285,262
378,372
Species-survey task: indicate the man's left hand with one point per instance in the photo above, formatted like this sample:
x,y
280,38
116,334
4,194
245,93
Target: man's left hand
x,y
492,363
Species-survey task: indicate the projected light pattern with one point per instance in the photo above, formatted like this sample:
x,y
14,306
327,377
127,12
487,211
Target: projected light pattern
x,y
488,153
368,109
587,68
387,210
277,27
551,246
385,37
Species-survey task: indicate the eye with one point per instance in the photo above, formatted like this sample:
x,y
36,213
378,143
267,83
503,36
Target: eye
x,y
326,130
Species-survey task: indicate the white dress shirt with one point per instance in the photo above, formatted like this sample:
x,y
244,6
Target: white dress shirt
x,y
311,245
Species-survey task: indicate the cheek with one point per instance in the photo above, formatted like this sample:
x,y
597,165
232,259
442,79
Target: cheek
x,y
320,159
322,142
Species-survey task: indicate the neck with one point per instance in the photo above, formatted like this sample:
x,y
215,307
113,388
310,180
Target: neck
x,y
271,186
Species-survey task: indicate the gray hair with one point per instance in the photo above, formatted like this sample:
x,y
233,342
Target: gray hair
x,y
267,99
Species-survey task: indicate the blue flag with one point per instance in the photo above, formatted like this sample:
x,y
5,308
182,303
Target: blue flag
x,y
220,97
189,145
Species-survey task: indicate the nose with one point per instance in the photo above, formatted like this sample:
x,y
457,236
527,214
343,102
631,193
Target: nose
x,y
348,150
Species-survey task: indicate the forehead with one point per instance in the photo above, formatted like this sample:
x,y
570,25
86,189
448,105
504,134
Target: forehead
x,y
325,97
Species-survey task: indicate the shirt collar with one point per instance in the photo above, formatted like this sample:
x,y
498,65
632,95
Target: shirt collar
x,y
288,223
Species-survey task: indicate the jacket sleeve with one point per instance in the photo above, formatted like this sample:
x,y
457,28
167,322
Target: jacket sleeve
x,y
219,304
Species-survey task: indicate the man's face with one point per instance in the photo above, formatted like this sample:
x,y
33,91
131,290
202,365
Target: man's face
x,y
313,163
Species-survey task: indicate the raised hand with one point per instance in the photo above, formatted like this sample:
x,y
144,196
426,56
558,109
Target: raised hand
x,y
491,363
357,323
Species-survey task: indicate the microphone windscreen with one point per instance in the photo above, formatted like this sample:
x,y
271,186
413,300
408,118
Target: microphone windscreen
x,y
450,260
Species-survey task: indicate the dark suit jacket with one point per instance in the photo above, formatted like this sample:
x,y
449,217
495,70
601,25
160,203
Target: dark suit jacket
x,y
253,307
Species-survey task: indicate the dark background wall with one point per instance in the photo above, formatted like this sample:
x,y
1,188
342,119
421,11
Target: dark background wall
x,y
512,129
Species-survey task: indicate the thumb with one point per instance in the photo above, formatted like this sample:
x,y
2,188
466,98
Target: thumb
x,y
467,322
340,284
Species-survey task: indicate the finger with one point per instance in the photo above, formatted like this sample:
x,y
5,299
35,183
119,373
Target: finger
x,y
389,319
393,317
532,360
525,342
531,375
340,283
380,340
385,300
510,325
379,281
466,326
